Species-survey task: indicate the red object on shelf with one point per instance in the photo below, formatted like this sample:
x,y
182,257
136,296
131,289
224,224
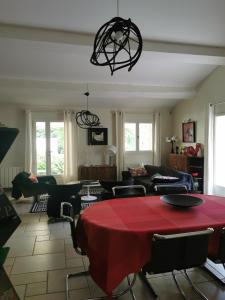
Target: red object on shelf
x,y
194,174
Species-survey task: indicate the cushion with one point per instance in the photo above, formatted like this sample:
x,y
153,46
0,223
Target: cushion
x,y
137,171
33,178
157,178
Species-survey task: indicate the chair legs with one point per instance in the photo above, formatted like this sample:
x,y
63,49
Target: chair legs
x,y
117,295
197,291
153,293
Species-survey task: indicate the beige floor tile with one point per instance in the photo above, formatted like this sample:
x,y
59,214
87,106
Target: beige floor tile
x,y
37,226
68,241
74,262
55,296
41,238
70,252
21,246
55,246
36,288
29,218
80,294
56,280
198,275
8,269
166,289
20,290
212,290
38,263
28,278
9,261
59,234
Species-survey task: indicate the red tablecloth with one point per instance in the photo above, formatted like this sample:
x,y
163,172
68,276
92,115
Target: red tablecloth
x,y
116,234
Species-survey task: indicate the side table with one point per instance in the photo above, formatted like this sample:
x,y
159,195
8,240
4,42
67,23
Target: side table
x,y
88,199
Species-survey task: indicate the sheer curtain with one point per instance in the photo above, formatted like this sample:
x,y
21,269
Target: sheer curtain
x,y
156,140
119,132
28,143
70,147
209,170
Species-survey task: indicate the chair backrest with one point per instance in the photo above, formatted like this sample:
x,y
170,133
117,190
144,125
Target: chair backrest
x,y
63,193
166,189
129,191
178,251
109,184
219,257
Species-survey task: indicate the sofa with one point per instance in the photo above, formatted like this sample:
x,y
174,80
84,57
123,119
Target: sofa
x,y
160,179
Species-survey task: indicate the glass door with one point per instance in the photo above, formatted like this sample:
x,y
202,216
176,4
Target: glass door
x,y
49,148
219,157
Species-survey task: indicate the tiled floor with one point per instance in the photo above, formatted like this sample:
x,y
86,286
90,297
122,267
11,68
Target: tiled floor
x,y
41,254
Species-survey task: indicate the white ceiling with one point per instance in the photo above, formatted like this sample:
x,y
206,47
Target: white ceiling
x,y
45,49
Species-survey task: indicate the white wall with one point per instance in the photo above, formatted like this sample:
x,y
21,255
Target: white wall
x,y
13,116
212,90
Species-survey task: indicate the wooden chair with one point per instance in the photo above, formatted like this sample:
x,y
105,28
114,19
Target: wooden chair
x,y
177,252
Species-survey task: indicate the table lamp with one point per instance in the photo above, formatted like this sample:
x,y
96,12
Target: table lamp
x,y
111,151
172,140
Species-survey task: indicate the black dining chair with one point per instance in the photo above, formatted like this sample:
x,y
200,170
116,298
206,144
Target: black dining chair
x,y
127,191
63,193
219,258
177,252
67,212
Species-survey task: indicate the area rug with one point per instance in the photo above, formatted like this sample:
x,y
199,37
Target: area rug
x,y
40,206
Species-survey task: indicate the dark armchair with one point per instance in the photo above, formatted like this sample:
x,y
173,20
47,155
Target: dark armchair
x,y
23,185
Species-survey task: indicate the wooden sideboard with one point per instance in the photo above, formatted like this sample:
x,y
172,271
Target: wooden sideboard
x,y
101,172
190,164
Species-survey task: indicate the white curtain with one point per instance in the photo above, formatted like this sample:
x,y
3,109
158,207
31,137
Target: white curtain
x,y
156,140
28,143
70,147
209,151
119,132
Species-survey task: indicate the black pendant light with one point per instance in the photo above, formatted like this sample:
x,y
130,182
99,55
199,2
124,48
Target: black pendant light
x,y
118,44
85,118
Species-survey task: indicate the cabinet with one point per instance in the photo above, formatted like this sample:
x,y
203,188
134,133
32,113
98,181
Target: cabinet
x,y
191,165
102,172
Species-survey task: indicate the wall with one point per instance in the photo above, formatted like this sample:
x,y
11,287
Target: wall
x,y
212,90
13,116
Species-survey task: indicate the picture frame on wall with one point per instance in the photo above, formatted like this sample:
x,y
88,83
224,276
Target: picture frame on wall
x,y
97,136
188,132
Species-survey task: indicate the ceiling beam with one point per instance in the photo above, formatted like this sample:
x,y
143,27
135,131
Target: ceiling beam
x,y
180,52
100,90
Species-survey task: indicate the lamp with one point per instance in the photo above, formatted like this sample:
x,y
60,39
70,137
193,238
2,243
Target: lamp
x,y
85,118
172,140
112,44
111,151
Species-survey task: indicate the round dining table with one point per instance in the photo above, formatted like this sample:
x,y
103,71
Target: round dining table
x,y
117,234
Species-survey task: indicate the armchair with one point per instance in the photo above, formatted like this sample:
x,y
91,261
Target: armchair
x,y
23,185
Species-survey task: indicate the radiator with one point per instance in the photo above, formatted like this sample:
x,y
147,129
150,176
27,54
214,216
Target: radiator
x,y
7,174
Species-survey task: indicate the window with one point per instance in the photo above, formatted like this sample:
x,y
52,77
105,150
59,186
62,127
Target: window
x,y
138,136
49,146
219,159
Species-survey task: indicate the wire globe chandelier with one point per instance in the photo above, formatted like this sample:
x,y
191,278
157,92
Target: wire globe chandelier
x,y
85,118
118,44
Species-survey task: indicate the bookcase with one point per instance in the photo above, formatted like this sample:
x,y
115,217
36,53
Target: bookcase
x,y
192,165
